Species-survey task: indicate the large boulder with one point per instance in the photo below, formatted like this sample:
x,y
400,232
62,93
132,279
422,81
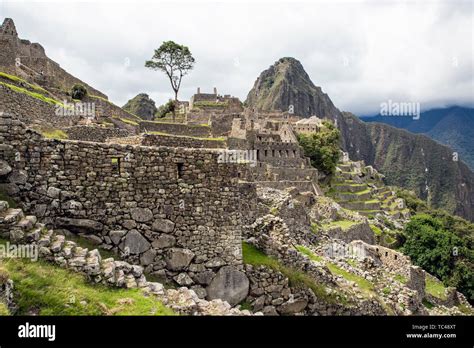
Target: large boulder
x,y
134,243
141,214
293,306
5,169
164,241
163,225
178,259
18,177
230,285
79,225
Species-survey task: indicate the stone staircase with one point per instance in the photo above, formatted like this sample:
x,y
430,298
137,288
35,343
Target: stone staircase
x,y
53,247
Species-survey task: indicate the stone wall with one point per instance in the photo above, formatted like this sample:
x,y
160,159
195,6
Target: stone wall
x,y
181,141
105,108
175,211
222,124
176,129
32,111
95,133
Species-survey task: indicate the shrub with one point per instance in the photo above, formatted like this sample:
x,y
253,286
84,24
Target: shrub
x,y
434,247
322,148
78,91
165,109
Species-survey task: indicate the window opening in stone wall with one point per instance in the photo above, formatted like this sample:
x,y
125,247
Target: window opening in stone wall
x,y
115,164
180,170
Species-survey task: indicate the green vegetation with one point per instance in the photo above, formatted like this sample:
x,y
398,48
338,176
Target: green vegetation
x,y
435,288
22,82
3,309
255,257
314,228
322,148
386,290
377,231
427,304
165,109
126,120
353,263
434,244
6,197
78,91
309,253
344,224
401,279
361,282
186,136
32,94
49,290
246,306
212,104
54,134
175,61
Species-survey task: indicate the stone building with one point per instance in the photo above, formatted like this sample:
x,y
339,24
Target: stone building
x,y
280,160
308,125
213,98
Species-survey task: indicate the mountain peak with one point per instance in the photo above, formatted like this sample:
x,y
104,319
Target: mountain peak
x,y
286,84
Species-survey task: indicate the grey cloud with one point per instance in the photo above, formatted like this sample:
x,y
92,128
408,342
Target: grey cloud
x,y
360,53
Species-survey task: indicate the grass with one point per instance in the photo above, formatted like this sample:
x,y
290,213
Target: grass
x,y
49,290
186,136
377,231
54,134
344,224
299,279
312,256
246,306
353,263
401,279
435,288
127,121
32,94
274,211
4,310
210,104
19,80
465,309
361,282
314,228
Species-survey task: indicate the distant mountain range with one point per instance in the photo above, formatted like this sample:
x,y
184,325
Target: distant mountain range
x,y
453,126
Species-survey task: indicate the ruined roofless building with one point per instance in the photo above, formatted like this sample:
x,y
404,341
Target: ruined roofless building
x,y
212,98
308,125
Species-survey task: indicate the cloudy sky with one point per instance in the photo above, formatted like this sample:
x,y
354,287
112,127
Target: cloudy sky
x,y
361,53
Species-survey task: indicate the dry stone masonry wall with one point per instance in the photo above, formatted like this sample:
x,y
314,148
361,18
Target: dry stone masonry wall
x,y
174,211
